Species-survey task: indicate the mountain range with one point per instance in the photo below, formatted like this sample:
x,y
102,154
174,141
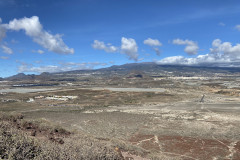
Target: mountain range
x,y
152,69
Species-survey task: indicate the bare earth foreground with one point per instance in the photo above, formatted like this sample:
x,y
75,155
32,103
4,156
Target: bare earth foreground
x,y
175,118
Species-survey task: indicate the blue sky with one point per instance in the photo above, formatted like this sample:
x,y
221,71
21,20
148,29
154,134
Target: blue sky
x,y
48,35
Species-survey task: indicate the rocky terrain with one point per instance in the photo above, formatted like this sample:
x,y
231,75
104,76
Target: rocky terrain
x,y
137,111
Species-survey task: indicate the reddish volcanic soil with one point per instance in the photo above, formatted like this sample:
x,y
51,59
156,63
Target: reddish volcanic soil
x,y
189,148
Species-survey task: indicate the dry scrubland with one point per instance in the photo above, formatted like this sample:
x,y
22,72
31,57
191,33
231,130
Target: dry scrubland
x,y
134,117
22,139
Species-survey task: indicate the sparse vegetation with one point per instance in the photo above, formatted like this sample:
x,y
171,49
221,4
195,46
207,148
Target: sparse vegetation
x,y
18,143
154,115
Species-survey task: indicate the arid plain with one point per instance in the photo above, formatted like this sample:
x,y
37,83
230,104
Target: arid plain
x,y
137,114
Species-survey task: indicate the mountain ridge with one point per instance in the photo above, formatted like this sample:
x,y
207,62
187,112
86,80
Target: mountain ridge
x,y
149,67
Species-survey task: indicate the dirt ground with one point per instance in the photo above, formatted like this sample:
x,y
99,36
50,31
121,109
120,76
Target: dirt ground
x,y
196,119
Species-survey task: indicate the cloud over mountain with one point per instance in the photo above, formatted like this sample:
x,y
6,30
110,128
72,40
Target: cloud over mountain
x,y
221,54
61,67
191,46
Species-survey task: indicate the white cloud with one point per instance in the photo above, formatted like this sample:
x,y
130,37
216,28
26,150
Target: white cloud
x,y
24,67
101,46
152,42
237,27
14,41
2,31
62,67
157,50
221,54
38,51
130,48
34,29
6,49
226,49
3,57
222,24
38,62
2,35
191,46
173,60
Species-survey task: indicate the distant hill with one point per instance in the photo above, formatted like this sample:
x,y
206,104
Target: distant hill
x,y
21,76
137,70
